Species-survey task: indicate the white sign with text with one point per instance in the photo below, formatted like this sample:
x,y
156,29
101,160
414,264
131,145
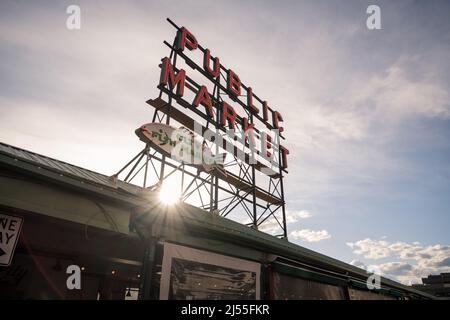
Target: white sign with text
x,y
10,227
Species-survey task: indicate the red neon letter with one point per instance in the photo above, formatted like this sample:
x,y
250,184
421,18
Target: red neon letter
x,y
284,153
276,118
202,97
234,83
266,143
250,104
229,114
265,111
168,77
248,130
206,61
186,39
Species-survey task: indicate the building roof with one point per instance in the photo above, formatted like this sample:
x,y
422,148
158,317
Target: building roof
x,y
64,169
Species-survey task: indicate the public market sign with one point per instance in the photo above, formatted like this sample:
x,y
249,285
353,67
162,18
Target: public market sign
x,y
183,145
10,227
249,120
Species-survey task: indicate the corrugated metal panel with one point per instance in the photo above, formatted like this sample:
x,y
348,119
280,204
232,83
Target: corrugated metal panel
x,y
65,168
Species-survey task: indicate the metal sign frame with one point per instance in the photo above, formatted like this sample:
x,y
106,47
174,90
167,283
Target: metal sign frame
x,y
240,194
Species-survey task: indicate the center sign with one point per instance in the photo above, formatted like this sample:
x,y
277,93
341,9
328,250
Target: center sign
x,y
216,109
207,118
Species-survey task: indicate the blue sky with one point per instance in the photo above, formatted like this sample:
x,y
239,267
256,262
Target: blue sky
x,y
367,112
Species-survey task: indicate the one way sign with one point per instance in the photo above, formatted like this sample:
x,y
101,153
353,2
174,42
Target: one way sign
x,y
10,227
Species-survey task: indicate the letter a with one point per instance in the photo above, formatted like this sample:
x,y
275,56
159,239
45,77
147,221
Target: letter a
x,y
73,21
373,282
74,280
374,20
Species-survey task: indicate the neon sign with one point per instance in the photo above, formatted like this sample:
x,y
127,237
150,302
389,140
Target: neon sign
x,y
174,81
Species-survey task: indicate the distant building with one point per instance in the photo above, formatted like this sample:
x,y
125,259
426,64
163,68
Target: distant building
x,y
437,285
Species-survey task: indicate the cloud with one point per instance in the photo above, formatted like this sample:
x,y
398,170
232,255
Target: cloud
x,y
444,263
310,235
396,93
359,264
416,260
294,216
350,139
271,225
395,268
372,249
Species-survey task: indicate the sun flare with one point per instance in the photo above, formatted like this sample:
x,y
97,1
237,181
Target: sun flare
x,y
169,193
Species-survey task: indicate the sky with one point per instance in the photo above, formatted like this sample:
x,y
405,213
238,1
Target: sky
x,y
366,112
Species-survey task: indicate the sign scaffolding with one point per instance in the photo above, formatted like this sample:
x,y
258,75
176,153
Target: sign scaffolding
x,y
238,129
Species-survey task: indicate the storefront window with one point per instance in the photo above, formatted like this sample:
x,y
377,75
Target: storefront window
x,y
291,288
191,274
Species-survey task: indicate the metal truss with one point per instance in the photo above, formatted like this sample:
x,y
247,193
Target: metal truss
x,y
239,196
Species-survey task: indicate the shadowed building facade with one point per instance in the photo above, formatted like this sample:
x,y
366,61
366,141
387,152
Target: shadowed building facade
x,y
437,285
128,244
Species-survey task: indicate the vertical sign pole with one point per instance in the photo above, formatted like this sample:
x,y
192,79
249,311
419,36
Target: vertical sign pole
x,y
216,179
182,181
147,269
282,196
147,150
255,218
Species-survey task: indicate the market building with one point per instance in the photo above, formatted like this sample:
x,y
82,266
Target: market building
x,y
70,233
127,244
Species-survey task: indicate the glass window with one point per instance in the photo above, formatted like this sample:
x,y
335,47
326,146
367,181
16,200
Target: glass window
x,y
191,274
291,288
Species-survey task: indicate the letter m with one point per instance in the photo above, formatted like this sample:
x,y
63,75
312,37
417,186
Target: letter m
x,y
168,77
